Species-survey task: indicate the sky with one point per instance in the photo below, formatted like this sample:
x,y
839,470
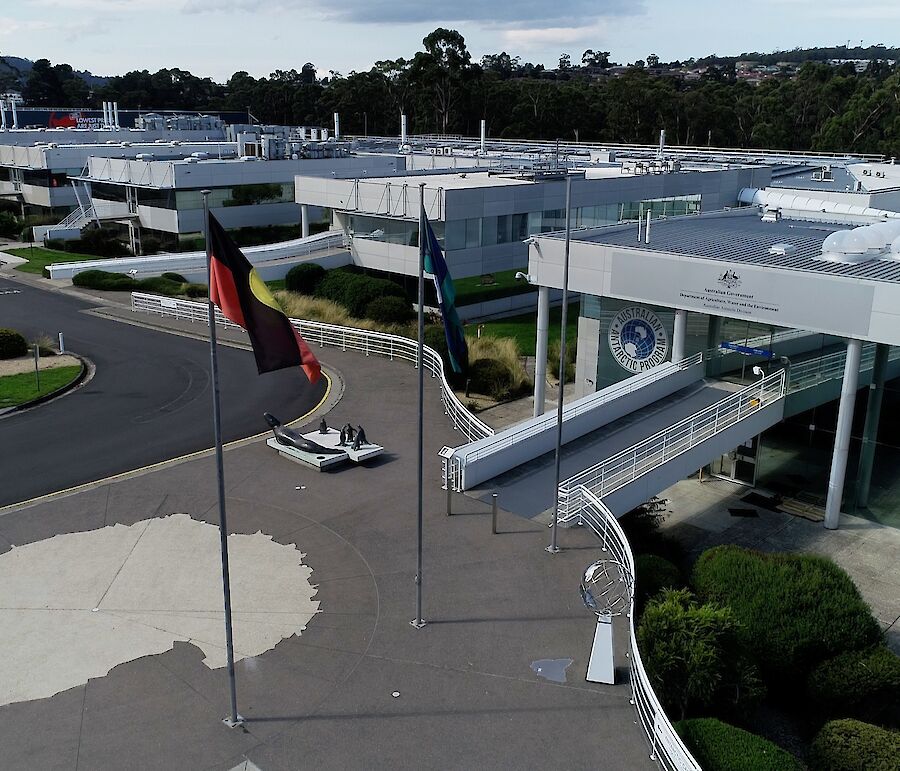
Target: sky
x,y
215,38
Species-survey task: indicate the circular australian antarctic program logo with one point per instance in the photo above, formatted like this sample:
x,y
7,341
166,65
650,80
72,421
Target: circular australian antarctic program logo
x,y
638,339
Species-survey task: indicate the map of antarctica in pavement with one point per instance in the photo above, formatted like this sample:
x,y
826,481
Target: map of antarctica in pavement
x,y
79,604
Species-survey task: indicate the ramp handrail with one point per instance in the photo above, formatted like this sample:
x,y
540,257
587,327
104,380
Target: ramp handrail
x,y
830,366
666,746
73,217
345,338
507,439
618,470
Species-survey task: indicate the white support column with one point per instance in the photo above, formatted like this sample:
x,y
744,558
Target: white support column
x,y
842,435
402,130
337,126
304,220
678,333
15,117
116,114
483,135
2,115
540,353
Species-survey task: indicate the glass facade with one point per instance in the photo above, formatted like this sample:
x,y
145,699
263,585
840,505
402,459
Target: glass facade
x,y
185,200
509,228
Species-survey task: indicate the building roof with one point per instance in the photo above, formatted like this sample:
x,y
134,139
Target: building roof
x,y
842,180
742,237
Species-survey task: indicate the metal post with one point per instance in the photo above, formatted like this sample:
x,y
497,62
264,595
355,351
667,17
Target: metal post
x,y
870,432
842,435
37,372
234,719
553,548
62,345
418,621
540,352
449,492
494,513
679,333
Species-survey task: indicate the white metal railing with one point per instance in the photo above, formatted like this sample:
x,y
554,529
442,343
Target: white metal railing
x,y
806,374
507,439
624,467
74,218
346,338
666,746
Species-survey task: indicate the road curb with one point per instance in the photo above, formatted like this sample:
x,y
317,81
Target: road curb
x,y
87,373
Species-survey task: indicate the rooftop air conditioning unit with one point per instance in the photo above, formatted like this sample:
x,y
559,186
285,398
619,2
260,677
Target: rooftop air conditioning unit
x,y
782,250
448,151
201,156
126,144
144,156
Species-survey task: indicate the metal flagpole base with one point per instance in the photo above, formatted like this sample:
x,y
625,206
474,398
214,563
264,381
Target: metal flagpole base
x,y
418,623
552,550
233,723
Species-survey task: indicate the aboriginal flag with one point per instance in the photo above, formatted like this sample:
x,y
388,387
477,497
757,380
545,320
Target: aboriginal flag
x,y
243,297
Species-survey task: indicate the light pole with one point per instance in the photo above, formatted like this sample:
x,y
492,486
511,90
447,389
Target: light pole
x,y
553,548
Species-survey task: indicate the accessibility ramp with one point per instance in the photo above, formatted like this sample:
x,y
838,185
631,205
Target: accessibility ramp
x,y
634,457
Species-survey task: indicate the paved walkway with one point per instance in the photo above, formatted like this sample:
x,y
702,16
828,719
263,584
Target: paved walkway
x,y
360,687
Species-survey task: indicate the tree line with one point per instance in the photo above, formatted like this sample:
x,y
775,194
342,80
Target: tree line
x,y
442,91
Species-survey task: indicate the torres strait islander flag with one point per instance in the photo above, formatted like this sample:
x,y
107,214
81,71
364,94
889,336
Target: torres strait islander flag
x,y
242,296
436,265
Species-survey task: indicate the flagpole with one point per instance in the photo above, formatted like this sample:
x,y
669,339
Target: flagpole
x,y
553,548
234,719
418,621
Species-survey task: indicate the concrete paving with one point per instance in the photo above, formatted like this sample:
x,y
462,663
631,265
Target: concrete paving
x,y
360,687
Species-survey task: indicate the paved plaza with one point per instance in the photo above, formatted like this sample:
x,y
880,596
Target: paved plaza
x,y
330,672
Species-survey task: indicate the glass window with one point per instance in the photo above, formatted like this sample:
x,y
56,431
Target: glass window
x,y
519,227
456,235
473,233
489,231
534,223
504,229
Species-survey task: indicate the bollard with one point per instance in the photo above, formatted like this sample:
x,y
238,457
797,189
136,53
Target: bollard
x,y
494,513
449,497
62,347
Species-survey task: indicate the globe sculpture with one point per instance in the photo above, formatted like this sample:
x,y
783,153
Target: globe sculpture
x,y
606,588
638,338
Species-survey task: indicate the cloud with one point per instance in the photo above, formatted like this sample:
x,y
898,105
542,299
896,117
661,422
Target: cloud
x,y
537,38
519,14
12,28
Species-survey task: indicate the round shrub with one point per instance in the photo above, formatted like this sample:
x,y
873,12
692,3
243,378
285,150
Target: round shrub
x,y
693,656
390,310
197,290
104,280
12,344
652,574
491,378
859,684
159,285
334,286
150,245
364,289
176,277
851,745
718,746
794,610
304,278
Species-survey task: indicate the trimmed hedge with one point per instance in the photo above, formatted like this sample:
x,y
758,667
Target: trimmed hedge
x,y
491,378
718,746
304,278
859,684
104,280
355,291
693,657
177,277
851,745
652,574
12,344
794,610
390,310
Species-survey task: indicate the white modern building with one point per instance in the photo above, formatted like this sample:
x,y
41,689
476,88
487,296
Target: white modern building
x,y
482,217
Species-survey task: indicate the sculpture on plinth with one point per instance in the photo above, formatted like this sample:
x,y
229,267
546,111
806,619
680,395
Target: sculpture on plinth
x,y
323,427
347,434
361,438
290,438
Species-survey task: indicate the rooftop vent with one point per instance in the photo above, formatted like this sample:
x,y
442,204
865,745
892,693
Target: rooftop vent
x,y
782,249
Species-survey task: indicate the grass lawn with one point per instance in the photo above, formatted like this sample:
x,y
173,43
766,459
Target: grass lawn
x,y
524,328
277,283
38,258
471,290
21,388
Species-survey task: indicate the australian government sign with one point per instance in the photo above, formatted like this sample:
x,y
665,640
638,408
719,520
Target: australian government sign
x,y
637,339
787,298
